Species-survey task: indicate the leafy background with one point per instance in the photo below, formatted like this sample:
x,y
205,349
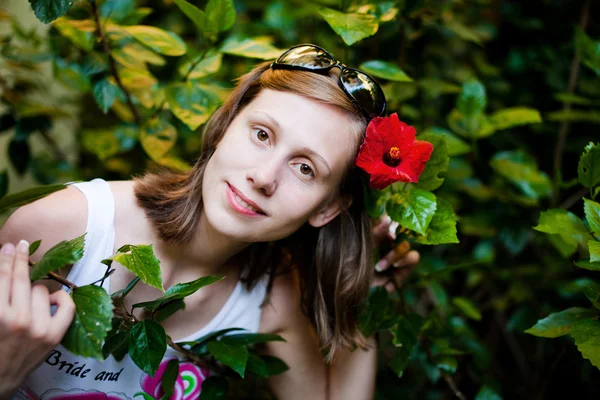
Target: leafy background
x,y
510,89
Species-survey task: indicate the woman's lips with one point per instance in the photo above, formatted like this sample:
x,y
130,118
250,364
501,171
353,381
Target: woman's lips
x,y
240,205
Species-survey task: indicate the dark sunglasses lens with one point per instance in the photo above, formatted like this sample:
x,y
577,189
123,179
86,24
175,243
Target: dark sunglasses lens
x,y
365,91
307,57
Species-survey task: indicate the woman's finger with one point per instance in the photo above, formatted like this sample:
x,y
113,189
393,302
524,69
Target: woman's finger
x,y
411,258
7,255
393,256
63,316
40,312
20,296
381,230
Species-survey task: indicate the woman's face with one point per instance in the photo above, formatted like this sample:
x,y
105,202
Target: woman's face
x,y
276,167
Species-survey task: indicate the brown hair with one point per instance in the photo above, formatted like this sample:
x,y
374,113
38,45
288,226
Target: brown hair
x,y
334,261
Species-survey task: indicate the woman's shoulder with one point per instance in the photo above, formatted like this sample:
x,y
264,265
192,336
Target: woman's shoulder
x,y
283,311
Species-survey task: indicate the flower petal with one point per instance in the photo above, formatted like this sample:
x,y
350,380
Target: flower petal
x,y
414,162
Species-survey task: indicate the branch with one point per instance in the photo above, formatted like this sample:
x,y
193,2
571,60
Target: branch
x,y
111,62
56,277
564,127
453,387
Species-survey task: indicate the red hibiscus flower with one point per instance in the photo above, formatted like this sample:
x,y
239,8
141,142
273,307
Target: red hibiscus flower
x,y
391,154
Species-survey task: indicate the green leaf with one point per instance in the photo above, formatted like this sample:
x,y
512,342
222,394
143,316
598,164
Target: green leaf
x,y
351,27
456,146
265,366
385,70
157,137
101,142
437,164
587,339
592,215
220,15
72,30
142,262
521,170
192,105
180,291
588,170
447,364
487,393
406,336
588,49
378,313
560,323
105,94
509,117
48,10
71,75
169,378
27,196
251,48
559,221
593,294
199,345
3,183
34,246
215,387
467,307
566,245
168,309
474,127
594,248
592,266
197,16
412,208
574,116
234,357
64,253
147,345
163,42
117,345
91,323
207,65
472,99
463,31
442,228
135,56
575,99
246,339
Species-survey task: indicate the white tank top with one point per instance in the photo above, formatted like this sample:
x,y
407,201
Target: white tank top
x,y
64,375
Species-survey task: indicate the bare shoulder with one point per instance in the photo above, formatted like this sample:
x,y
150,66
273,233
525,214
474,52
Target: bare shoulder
x,y
59,216
283,310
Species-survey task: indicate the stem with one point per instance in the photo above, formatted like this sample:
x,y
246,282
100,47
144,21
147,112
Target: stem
x,y
568,203
195,358
111,62
564,127
56,277
453,387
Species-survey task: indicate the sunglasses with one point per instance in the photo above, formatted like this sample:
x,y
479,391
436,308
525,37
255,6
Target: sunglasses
x,y
361,88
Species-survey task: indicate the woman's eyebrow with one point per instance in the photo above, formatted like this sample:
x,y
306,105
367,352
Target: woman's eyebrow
x,y
272,120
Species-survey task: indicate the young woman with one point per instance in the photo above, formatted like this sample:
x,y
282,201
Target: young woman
x,y
274,203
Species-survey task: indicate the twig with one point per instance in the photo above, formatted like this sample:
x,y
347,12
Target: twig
x,y
195,358
56,277
564,127
111,62
453,387
568,203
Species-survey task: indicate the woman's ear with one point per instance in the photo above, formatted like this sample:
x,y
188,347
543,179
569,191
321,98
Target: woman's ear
x,y
329,211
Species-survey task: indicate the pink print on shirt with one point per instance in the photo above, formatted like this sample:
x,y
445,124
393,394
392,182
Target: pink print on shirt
x,y
187,386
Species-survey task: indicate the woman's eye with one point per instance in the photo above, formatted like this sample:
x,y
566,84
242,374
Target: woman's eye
x,y
261,135
305,169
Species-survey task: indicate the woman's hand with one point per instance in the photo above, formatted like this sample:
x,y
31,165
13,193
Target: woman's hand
x,y
401,258
27,329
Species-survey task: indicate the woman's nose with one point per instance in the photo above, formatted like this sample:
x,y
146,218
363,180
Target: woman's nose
x,y
263,177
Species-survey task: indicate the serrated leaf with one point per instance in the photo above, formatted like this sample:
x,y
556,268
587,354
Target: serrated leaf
x,y
48,10
412,208
521,170
376,314
594,248
215,387
351,27
592,215
406,336
91,323
147,345
467,307
588,170
385,70
563,222
27,196
437,164
163,42
246,339
142,262
442,228
587,339
157,137
560,323
64,253
192,105
220,15
105,94
251,48
510,117
234,357
179,291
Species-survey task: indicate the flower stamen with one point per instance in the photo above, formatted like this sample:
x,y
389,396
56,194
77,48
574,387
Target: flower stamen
x,y
392,157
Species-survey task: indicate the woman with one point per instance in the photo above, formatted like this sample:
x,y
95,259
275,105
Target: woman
x,y
274,203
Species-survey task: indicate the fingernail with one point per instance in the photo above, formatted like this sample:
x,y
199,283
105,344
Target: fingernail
x,y
379,266
23,247
8,249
